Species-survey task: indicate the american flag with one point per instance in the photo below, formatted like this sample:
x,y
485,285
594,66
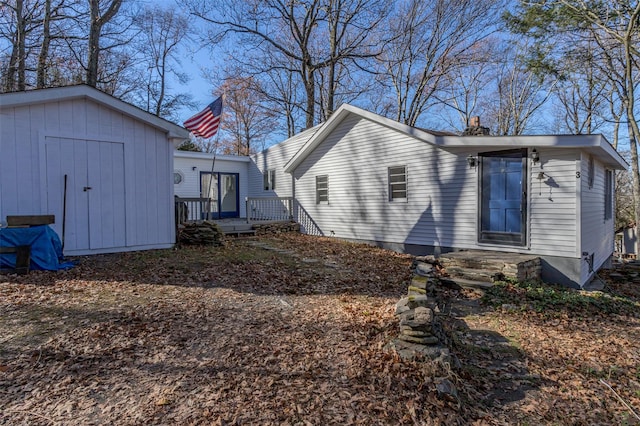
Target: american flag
x,y
205,123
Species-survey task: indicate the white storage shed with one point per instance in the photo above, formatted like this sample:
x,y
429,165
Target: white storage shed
x,y
103,167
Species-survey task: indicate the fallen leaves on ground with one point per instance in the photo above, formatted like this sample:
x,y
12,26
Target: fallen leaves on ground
x,y
287,330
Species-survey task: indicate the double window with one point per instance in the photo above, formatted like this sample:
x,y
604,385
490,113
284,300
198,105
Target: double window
x,y
322,189
397,183
269,180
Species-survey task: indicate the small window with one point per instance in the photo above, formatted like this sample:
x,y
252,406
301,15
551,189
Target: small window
x,y
177,178
397,183
269,179
608,194
322,189
590,172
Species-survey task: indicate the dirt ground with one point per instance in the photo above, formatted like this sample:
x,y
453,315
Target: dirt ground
x,y
291,330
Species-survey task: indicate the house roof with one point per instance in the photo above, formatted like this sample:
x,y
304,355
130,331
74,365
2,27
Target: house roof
x,y
209,156
297,138
82,91
337,117
594,144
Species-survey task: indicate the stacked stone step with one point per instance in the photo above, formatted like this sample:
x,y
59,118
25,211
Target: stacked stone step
x,y
493,270
421,334
200,233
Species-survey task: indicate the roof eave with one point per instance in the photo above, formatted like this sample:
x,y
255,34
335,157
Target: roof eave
x,y
337,117
54,94
596,143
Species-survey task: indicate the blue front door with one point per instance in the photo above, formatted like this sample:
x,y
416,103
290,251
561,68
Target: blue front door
x,y
503,197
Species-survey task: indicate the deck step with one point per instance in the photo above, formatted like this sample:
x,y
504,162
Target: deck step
x,y
474,284
484,275
489,266
237,229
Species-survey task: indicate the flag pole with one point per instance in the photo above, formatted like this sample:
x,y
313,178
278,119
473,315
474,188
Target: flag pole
x,y
213,163
206,123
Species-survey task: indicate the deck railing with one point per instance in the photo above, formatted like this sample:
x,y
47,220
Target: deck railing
x,y
269,209
193,209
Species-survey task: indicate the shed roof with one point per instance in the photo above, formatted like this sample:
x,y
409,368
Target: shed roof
x,y
594,144
82,91
209,156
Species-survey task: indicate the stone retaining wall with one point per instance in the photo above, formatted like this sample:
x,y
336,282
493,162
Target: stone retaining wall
x,y
421,334
202,232
276,228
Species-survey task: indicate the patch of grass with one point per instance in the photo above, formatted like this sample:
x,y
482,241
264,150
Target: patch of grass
x,y
547,298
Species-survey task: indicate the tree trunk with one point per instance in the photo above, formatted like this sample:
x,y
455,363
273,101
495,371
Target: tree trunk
x,y
634,131
97,21
310,89
41,78
15,70
94,43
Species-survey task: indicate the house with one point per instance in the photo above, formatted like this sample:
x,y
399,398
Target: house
x,y
101,166
363,177
626,240
227,186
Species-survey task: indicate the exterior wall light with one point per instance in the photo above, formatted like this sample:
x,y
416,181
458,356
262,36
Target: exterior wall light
x,y
471,161
535,157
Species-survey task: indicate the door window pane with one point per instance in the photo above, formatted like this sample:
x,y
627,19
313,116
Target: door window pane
x,y
229,193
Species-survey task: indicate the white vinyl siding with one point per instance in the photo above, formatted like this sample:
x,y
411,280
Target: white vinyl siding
x,y
191,164
553,206
597,233
356,156
274,158
397,176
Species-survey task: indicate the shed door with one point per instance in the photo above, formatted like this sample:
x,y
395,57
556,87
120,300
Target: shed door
x,y
95,206
503,198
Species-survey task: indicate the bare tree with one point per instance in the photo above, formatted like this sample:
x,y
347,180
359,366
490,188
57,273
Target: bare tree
x,y
19,19
247,121
162,30
625,211
520,93
298,38
427,42
466,87
281,91
582,93
614,26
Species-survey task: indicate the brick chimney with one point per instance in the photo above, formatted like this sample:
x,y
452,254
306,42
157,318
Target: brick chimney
x,y
475,129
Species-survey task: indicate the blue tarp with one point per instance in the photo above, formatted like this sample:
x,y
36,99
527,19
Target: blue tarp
x,y
46,248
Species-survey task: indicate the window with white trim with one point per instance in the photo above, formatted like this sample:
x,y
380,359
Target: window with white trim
x,y
608,194
397,183
322,189
590,172
178,177
269,179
